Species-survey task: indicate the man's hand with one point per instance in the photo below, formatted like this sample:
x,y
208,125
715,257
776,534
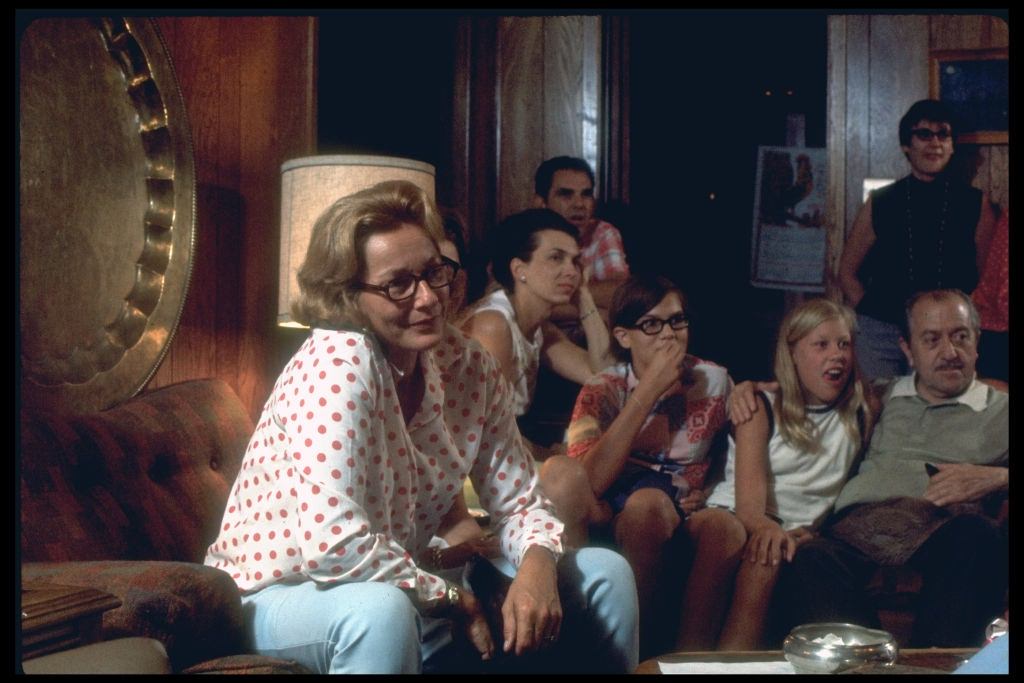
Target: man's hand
x,y
963,482
469,614
532,613
798,537
743,401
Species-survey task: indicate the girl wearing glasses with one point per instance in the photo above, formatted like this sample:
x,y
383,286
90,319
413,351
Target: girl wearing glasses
x,y
639,450
535,257
929,230
364,445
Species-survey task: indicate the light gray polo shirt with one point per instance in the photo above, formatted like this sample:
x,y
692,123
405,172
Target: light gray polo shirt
x,y
971,428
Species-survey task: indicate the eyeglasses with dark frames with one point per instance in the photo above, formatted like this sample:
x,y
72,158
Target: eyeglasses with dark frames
x,y
926,134
404,286
653,326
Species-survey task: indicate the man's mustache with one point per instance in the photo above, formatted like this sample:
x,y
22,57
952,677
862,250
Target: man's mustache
x,y
950,365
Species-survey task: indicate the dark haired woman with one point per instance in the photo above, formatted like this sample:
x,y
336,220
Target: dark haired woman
x,y
535,258
929,230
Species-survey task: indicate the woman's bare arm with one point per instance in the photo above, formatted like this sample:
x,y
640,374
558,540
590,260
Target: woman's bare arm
x,y
857,246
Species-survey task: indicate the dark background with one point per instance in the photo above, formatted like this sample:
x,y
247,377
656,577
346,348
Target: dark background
x,y
700,108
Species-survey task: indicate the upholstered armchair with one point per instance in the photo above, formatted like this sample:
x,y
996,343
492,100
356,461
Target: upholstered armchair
x,y
126,501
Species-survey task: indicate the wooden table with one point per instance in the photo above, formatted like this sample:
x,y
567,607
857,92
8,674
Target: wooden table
x,y
55,617
940,659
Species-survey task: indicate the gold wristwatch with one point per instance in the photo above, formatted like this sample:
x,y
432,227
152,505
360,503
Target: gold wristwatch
x,y
453,596
447,603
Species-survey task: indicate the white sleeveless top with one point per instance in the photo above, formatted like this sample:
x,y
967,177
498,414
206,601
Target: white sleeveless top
x,y
802,487
525,353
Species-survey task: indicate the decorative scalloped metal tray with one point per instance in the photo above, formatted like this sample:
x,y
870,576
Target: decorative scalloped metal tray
x,y
107,209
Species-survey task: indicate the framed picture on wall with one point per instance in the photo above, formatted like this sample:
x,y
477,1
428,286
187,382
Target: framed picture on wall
x,y
976,83
787,249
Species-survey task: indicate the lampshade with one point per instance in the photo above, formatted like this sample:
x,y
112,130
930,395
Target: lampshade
x,y
311,184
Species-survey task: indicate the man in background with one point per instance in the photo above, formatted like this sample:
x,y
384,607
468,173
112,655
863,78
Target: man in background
x,y
566,185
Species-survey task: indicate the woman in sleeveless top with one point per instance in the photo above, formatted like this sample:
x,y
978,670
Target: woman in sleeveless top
x,y
926,231
535,260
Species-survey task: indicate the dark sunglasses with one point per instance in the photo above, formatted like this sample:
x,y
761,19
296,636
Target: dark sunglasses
x,y
926,134
404,286
652,326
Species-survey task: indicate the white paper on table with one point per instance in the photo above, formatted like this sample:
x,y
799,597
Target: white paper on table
x,y
726,667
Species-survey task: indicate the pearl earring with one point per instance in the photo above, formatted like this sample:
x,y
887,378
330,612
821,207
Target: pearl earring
x,y
522,278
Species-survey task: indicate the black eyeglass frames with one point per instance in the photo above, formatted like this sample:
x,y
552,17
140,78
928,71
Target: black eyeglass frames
x,y
652,326
404,286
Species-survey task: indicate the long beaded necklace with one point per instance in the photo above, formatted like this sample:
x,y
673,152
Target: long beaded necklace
x,y
941,232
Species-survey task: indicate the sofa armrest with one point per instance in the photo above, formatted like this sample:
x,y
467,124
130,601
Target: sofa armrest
x,y
194,610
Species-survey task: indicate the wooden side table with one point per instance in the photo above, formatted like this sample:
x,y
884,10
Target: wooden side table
x,y
55,617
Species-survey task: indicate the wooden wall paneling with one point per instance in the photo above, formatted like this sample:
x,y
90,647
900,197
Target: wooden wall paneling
x,y
277,80
562,123
484,92
521,100
968,32
615,113
227,206
899,77
857,95
835,143
196,50
954,32
591,94
1000,32
248,89
456,192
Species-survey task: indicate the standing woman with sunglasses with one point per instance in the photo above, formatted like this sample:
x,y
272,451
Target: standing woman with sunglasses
x,y
364,445
639,450
929,230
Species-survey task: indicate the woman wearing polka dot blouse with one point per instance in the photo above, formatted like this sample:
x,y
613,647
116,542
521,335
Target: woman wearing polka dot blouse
x,y
364,445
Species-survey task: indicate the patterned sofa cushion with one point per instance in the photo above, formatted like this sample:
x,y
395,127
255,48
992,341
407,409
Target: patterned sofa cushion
x,y
146,480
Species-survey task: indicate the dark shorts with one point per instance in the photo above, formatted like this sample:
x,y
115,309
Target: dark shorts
x,y
634,478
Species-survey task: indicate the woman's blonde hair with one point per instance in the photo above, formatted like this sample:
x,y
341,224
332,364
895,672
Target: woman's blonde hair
x,y
790,406
336,255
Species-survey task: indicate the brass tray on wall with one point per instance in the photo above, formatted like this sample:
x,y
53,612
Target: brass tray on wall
x,y
107,209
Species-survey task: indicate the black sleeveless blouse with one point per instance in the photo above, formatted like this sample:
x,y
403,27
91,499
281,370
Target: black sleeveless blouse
x,y
924,239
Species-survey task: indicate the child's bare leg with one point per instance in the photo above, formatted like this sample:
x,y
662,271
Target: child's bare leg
x,y
744,627
564,481
642,530
718,540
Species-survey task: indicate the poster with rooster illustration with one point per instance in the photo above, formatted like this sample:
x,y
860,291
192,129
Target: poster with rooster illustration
x,y
788,244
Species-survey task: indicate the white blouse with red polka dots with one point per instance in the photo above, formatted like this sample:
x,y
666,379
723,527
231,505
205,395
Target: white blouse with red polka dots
x,y
336,487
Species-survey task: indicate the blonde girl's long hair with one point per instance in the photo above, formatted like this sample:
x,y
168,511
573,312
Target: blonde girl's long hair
x,y
790,406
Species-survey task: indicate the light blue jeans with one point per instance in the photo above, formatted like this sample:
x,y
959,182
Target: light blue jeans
x,y
878,349
373,627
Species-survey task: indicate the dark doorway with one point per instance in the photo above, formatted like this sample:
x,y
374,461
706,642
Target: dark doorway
x,y
706,90
385,84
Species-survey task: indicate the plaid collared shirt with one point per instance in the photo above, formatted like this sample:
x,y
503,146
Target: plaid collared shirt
x,y
605,254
